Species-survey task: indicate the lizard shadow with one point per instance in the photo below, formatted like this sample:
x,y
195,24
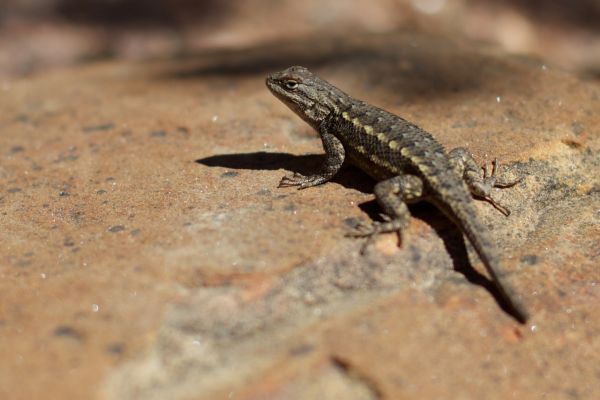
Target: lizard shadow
x,y
454,242
353,178
350,177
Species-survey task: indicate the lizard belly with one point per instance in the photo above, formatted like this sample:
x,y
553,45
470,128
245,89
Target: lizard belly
x,y
365,164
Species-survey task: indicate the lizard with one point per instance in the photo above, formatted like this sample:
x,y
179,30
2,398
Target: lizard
x,y
408,164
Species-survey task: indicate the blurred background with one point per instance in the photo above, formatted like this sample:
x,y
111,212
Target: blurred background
x,y
40,35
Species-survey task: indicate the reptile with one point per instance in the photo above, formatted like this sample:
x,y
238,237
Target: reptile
x,y
408,164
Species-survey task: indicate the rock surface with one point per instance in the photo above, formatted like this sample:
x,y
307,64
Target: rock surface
x,y
148,254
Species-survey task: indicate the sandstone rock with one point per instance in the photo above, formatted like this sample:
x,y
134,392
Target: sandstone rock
x,y
147,252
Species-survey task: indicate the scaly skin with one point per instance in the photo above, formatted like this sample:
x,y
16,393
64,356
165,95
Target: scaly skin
x,y
406,161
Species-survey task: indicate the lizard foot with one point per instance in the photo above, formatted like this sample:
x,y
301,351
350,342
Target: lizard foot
x,y
370,231
490,180
301,181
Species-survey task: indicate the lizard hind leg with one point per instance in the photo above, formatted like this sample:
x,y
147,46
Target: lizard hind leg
x,y
393,195
480,184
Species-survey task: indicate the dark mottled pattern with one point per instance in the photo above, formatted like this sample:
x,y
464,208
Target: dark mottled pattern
x,y
387,147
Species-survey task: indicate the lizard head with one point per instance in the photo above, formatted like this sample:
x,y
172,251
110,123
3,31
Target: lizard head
x,y
304,93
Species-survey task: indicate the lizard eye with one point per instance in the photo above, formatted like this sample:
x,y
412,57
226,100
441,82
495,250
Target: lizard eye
x,y
290,84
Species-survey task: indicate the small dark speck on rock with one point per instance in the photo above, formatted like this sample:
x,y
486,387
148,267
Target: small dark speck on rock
x,y
530,259
229,174
14,190
351,222
572,393
23,263
264,192
24,119
135,232
116,348
290,207
101,191
577,128
116,228
595,189
415,254
69,242
98,128
467,124
65,157
301,349
159,133
62,193
572,144
67,331
16,149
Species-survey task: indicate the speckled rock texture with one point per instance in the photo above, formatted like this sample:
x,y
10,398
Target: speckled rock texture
x,y
147,252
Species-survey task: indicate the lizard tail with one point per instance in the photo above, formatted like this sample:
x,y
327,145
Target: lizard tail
x,y
463,214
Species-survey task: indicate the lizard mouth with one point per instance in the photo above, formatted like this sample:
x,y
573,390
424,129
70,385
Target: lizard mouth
x,y
271,83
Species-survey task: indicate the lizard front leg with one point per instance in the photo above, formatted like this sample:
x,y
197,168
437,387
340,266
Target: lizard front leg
x,y
334,158
479,185
393,195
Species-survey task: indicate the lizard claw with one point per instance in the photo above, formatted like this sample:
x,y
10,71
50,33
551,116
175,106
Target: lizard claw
x,y
368,231
385,217
504,185
295,180
497,206
363,230
492,179
374,228
302,181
